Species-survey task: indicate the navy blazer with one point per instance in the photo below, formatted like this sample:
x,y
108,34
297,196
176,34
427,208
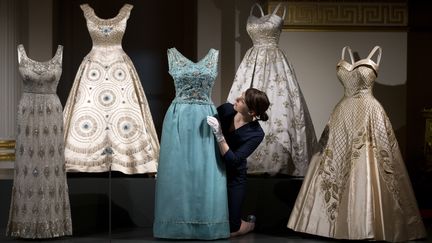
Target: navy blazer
x,y
242,142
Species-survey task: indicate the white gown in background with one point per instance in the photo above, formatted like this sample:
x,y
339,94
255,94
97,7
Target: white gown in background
x,y
290,138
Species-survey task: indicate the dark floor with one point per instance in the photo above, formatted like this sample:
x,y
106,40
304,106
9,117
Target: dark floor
x,y
131,210
145,235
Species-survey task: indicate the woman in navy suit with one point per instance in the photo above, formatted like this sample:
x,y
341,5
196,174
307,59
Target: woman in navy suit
x,y
239,133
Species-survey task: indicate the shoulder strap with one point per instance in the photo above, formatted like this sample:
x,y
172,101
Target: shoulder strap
x,y
172,57
379,54
214,58
126,9
259,7
277,8
21,52
59,54
86,9
350,53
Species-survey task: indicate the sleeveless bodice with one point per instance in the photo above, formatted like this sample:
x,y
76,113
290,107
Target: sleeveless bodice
x,y
265,30
40,77
107,34
193,81
357,77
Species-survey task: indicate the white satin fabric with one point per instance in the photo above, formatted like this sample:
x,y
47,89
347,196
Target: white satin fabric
x,y
290,139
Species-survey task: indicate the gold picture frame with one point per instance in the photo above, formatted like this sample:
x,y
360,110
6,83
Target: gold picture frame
x,y
7,150
343,15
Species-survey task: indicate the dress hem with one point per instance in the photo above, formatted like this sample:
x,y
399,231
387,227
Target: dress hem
x,y
148,168
360,237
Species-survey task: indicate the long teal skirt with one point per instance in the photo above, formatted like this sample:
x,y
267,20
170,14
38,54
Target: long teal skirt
x,y
191,195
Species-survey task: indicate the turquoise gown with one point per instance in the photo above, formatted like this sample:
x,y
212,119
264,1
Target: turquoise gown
x,y
191,194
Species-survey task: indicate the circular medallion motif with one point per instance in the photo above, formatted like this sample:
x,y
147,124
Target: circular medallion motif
x,y
119,74
93,74
127,127
86,126
106,98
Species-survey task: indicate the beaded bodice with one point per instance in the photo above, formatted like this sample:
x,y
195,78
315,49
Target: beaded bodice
x,y
358,77
40,77
265,30
193,81
106,33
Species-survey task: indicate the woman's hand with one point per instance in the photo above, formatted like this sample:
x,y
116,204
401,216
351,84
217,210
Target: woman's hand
x,y
216,128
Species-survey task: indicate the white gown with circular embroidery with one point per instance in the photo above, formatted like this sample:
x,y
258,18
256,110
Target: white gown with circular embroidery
x,y
108,124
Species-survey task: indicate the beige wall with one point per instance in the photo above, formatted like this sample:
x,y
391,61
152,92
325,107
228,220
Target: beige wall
x,y
314,56
220,26
208,23
40,29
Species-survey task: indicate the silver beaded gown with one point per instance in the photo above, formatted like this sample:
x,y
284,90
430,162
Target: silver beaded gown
x,y
108,124
357,186
290,140
40,202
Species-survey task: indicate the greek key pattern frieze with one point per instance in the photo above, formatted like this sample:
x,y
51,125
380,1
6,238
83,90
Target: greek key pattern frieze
x,y
348,15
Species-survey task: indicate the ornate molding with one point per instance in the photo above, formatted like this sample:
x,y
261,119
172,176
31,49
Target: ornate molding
x,y
322,15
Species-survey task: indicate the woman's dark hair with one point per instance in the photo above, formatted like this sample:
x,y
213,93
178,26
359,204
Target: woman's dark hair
x,y
257,101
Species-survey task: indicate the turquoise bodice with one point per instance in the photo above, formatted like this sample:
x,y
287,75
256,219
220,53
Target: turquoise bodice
x,y
193,80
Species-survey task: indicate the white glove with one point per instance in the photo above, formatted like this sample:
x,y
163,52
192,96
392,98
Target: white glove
x,y
216,128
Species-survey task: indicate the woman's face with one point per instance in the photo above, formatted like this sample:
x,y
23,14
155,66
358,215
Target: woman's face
x,y
240,104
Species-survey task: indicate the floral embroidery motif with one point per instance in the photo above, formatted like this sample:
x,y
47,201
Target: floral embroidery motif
x,y
290,138
335,172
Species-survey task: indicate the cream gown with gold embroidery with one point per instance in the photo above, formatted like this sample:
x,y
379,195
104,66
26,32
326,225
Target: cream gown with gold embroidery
x,y
357,186
108,124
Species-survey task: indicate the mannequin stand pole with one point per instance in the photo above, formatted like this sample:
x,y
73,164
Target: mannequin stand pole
x,y
109,205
